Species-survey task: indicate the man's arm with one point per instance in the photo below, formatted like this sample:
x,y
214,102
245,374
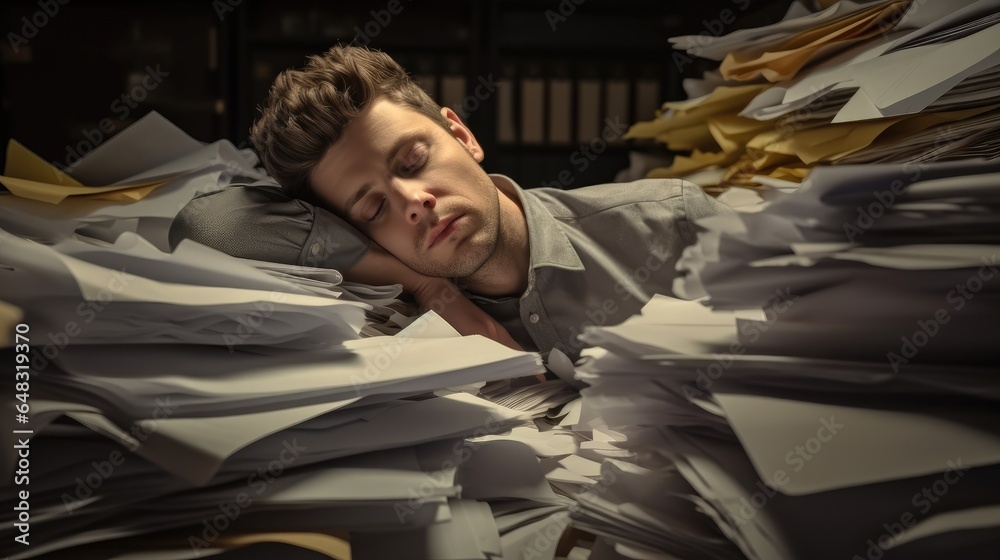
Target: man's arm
x,y
379,267
260,222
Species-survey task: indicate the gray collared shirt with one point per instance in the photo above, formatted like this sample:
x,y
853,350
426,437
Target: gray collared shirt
x,y
598,254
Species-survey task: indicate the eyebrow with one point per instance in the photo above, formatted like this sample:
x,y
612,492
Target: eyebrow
x,y
398,145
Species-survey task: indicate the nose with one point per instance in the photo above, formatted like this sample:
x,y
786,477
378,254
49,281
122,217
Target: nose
x,y
417,202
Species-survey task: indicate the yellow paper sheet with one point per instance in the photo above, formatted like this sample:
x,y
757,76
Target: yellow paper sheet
x,y
25,164
732,132
723,99
659,127
29,176
762,162
797,174
332,546
745,176
685,165
741,174
131,194
697,137
687,128
54,193
10,316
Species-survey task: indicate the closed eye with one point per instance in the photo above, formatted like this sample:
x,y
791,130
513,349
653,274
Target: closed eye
x,y
414,161
378,211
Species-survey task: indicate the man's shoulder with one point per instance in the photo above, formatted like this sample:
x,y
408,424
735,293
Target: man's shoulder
x,y
606,198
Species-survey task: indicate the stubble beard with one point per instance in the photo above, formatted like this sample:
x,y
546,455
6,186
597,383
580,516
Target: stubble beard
x,y
475,251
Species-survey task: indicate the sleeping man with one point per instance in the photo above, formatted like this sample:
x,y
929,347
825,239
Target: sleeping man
x,y
353,136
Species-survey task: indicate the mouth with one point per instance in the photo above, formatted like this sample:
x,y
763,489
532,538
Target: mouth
x,y
441,231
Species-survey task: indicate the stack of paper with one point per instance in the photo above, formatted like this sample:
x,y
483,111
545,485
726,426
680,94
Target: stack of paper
x,y
151,170
86,293
890,81
219,400
889,263
832,393
732,453
189,403
187,430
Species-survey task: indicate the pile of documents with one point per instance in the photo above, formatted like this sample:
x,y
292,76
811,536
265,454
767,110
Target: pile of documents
x,y
831,392
187,404
732,454
893,263
888,81
198,439
828,388
136,181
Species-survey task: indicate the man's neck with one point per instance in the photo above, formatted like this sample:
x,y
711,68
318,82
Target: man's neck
x,y
505,273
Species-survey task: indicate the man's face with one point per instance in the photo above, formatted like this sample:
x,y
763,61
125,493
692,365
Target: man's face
x,y
414,188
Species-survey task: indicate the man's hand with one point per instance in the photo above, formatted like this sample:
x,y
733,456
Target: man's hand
x,y
379,267
442,294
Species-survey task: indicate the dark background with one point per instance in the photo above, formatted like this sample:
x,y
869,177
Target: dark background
x,y
605,59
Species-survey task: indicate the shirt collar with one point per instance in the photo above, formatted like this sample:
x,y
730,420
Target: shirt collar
x,y
547,240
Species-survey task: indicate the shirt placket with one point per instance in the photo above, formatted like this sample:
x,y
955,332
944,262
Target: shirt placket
x,y
536,320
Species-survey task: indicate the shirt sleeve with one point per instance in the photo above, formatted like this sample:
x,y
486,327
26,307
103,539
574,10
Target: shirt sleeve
x,y
261,222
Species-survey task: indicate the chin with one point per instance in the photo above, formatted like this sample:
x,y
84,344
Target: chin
x,y
453,269
437,269
461,266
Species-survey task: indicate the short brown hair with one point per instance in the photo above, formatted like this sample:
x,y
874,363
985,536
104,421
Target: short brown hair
x,y
306,110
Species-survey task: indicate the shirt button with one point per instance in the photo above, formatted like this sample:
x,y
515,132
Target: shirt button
x,y
533,317
314,249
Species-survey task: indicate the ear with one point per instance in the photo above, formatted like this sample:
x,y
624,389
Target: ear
x,y
463,134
